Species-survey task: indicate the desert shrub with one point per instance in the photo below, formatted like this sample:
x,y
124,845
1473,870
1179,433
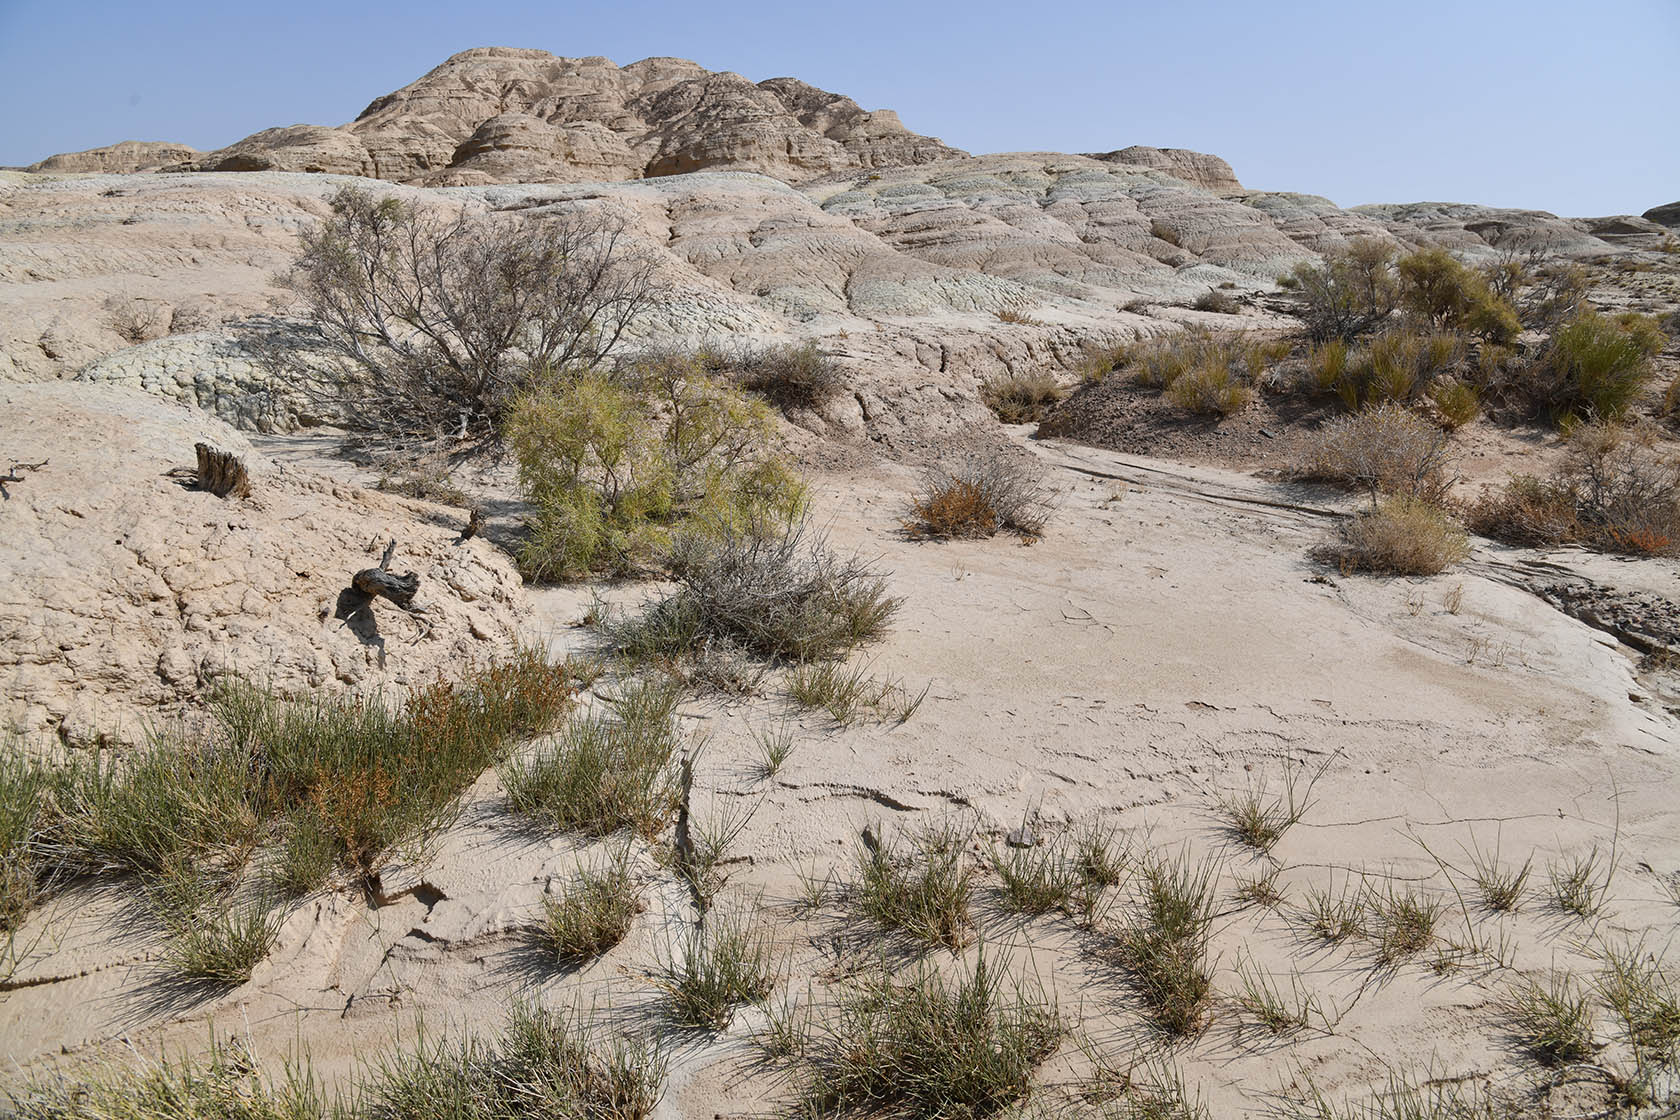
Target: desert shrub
x,y
1595,366
789,376
614,462
1615,491
590,914
1400,535
932,1046
1394,366
773,589
983,494
1457,402
1349,293
1442,290
1216,301
1203,372
423,326
1555,293
727,961
922,889
1164,943
1386,449
1098,361
136,319
1021,398
1017,316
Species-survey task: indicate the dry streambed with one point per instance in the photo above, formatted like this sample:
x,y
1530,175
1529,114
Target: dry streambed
x,y
1317,797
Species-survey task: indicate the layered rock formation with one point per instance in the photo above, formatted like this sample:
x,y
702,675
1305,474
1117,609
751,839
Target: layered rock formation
x,y
125,592
117,159
500,114
1197,168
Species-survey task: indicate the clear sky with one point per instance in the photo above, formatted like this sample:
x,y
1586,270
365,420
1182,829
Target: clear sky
x,y
1566,105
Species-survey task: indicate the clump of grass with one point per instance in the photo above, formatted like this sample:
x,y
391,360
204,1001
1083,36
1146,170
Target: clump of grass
x,y
1260,889
1644,997
1278,1011
790,376
847,693
26,816
1261,821
1456,401
1037,879
543,1055
983,494
1213,388
923,892
1578,884
775,747
1553,1020
1501,887
774,589
1402,1099
931,1046
590,914
1021,398
1398,536
225,945
725,962
1216,301
1164,944
786,1032
1401,921
605,769
1016,315
1334,916
1099,855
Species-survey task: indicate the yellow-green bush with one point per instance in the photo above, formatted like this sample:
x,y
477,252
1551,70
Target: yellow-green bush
x,y
612,463
1439,288
1204,372
1210,387
1456,401
1399,536
1350,293
1596,366
1393,366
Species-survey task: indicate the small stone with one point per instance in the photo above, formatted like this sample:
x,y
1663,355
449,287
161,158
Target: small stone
x,y
1020,837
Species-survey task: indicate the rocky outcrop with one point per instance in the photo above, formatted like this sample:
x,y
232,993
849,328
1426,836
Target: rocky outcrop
x,y
127,592
1197,168
1667,214
1476,231
501,114
117,159
302,147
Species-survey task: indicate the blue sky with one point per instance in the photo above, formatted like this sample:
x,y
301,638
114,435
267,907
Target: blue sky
x,y
1569,107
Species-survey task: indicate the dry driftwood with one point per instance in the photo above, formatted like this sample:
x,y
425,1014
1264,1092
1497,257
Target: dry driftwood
x,y
221,472
12,475
386,584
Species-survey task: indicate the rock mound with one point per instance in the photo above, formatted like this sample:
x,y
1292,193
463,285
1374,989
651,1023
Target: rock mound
x,y
1198,168
1667,214
117,159
126,592
504,115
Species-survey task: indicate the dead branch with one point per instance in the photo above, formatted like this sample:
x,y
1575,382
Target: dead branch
x,y
381,581
12,475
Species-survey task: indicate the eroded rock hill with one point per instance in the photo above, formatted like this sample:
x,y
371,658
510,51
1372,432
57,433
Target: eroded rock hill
x,y
503,114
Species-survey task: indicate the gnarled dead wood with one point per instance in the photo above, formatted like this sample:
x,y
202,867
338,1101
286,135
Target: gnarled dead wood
x,y
381,581
221,472
12,475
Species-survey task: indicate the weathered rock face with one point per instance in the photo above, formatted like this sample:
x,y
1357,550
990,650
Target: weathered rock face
x,y
1667,214
501,114
1197,168
117,159
126,592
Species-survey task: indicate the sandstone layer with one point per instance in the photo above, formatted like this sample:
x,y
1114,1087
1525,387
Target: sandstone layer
x,y
118,159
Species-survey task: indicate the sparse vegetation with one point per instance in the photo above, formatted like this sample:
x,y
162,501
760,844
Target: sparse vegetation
x,y
1021,398
1261,821
1401,921
1595,366
1643,994
591,913
923,892
1216,301
1578,884
1164,943
1349,293
1332,915
1615,492
1036,879
847,693
983,494
607,769
226,943
720,965
1553,1020
1501,886
134,319
1398,536
1279,1011
931,1046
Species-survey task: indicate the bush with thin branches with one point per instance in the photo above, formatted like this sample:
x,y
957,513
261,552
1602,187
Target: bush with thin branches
x,y
979,496
1386,449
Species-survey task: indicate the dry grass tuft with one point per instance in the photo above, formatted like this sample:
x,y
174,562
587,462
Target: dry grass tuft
x,y
1386,449
1021,398
590,914
1400,536
984,494
923,892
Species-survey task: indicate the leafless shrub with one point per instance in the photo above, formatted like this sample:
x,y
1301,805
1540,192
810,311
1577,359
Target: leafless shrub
x,y
135,319
982,495
1350,293
424,325
1387,449
1399,536
1216,301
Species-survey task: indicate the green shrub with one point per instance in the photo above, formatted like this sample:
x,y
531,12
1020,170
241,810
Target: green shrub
x,y
1394,366
1595,367
1021,398
1437,287
613,463
1456,401
1211,388
788,376
1204,372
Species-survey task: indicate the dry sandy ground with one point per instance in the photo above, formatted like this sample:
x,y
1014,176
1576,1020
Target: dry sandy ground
x,y
1168,642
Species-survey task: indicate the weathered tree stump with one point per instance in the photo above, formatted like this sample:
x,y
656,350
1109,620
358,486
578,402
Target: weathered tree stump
x,y
381,581
221,472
